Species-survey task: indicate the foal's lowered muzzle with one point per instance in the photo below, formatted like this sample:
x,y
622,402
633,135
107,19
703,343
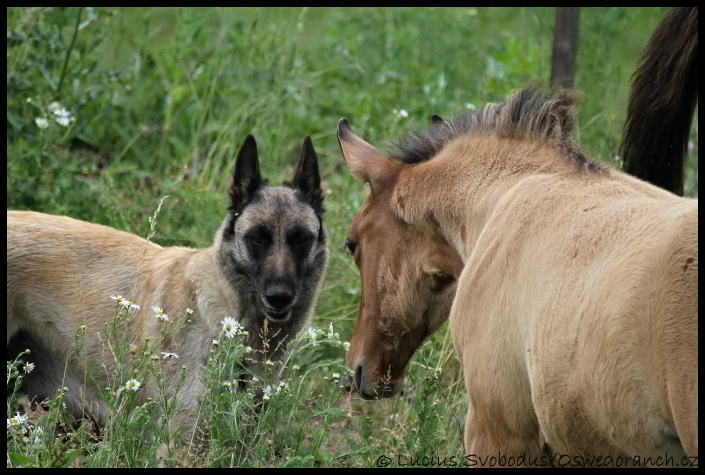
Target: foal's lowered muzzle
x,y
382,389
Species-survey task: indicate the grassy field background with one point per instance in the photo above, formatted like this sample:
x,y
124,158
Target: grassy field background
x,y
157,101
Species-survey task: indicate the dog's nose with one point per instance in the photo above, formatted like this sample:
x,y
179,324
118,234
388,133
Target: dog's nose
x,y
279,296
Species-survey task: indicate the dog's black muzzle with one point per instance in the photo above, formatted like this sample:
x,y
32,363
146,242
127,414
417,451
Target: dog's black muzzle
x,y
278,300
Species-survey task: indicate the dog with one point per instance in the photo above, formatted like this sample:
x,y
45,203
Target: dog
x,y
263,275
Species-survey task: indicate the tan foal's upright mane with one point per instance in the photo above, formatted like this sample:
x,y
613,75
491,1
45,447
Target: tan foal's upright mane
x,y
534,113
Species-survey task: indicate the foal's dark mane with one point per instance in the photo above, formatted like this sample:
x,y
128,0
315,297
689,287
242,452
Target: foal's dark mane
x,y
531,112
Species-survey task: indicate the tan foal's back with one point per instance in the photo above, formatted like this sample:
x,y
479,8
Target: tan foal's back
x,y
584,286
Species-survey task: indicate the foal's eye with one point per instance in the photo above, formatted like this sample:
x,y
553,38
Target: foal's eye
x,y
441,281
351,246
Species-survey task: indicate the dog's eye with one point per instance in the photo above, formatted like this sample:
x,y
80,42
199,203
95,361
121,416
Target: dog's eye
x,y
351,246
258,239
259,236
301,239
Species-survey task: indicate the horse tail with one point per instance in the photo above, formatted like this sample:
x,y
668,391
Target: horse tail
x,y
662,102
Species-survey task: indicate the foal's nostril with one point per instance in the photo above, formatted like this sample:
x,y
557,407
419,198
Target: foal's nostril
x,y
279,297
358,377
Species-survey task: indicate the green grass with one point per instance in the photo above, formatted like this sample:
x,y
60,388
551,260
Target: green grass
x,y
162,98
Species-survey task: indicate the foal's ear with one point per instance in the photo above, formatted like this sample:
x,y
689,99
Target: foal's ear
x,y
438,120
246,176
307,178
365,161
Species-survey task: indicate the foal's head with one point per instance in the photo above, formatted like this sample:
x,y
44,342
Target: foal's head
x,y
408,269
408,275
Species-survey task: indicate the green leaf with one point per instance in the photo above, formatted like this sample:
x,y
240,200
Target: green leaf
x,y
20,460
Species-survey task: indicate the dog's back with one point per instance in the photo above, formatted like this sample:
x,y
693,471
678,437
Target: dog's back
x,y
62,268
54,253
61,273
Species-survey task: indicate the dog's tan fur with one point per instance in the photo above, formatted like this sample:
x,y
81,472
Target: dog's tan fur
x,y
576,311
68,287
62,273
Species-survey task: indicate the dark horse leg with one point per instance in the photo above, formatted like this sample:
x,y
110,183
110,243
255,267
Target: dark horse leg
x,y
662,102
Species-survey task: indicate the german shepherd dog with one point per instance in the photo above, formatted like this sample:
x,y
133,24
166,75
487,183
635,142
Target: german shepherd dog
x,y
264,270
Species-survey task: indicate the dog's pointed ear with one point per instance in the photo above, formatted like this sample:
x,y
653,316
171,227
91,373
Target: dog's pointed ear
x,y
307,178
246,176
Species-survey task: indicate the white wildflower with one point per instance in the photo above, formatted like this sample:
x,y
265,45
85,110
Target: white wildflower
x,y
283,386
159,313
63,120
62,112
128,304
53,107
312,335
58,113
266,393
231,327
133,384
18,420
